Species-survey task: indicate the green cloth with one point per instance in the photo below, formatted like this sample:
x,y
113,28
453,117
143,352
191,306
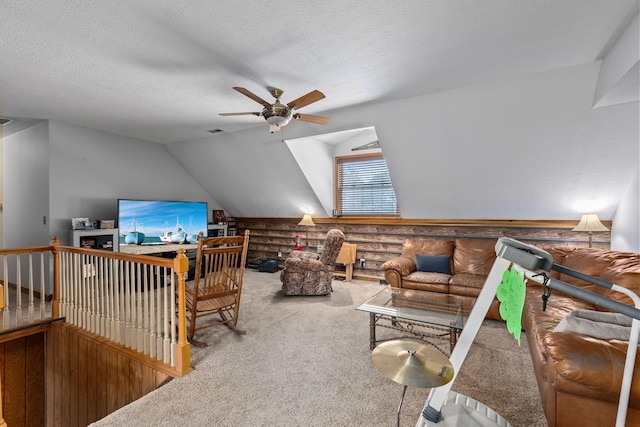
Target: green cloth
x,y
510,293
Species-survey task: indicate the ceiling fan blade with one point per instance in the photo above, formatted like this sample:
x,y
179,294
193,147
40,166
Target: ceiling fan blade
x,y
238,114
252,95
311,118
313,96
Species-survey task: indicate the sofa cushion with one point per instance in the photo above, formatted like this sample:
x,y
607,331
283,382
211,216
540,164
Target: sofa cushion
x,y
623,272
538,324
466,284
429,277
590,366
412,247
468,280
591,261
558,253
474,256
433,263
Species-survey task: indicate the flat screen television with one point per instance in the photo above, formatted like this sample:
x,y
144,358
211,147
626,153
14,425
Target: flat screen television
x,y
156,222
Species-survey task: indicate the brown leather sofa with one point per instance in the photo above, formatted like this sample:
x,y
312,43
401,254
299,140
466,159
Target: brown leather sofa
x,y
578,376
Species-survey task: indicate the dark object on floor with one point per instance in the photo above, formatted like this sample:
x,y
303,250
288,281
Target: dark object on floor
x,y
269,266
255,262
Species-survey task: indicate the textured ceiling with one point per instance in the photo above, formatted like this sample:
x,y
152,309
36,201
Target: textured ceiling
x,y
163,70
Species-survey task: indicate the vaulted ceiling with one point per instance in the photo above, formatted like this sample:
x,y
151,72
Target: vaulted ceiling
x,y
161,71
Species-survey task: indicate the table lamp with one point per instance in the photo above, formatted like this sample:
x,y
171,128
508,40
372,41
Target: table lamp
x,y
590,222
307,222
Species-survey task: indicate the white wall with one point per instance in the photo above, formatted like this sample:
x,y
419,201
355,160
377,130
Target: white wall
x,y
90,170
1,189
315,158
530,147
25,175
625,232
618,79
524,148
250,173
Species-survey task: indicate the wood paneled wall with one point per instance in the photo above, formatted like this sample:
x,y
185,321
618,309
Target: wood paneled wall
x,y
87,380
22,369
378,240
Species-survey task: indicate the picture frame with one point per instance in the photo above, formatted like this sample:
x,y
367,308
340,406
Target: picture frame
x,y
218,216
79,223
106,223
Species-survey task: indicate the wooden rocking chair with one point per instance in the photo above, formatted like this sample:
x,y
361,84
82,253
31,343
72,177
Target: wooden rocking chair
x,y
217,285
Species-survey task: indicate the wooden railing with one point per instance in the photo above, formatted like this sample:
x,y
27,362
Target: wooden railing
x,y
134,301
24,272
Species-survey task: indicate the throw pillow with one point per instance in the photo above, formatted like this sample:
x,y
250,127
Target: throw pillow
x,y
433,263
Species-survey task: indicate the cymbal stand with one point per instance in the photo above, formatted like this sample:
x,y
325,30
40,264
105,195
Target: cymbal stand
x,y
404,390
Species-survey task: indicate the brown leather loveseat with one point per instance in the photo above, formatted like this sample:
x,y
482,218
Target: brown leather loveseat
x,y
579,375
419,267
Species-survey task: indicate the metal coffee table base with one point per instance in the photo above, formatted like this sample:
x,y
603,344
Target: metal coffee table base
x,y
427,333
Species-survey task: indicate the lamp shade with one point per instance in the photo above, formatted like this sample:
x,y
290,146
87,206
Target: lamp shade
x,y
590,222
306,220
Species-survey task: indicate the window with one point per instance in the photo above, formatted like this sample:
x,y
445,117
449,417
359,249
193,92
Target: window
x,y
364,186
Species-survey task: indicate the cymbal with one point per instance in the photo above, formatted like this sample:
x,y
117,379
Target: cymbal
x,y
412,363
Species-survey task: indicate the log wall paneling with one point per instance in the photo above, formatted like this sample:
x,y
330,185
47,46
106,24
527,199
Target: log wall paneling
x,y
87,380
378,240
22,369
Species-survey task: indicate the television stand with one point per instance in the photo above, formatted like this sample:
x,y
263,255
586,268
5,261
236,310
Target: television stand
x,y
96,238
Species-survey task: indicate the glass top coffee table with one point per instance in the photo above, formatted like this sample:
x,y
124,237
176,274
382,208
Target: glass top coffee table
x,y
430,317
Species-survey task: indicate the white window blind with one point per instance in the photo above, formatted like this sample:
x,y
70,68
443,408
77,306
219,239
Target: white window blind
x,y
364,186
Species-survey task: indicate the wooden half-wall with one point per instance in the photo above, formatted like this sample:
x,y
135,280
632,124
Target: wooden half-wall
x,y
22,367
378,240
88,379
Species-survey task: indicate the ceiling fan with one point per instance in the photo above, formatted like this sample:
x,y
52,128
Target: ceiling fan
x,y
278,114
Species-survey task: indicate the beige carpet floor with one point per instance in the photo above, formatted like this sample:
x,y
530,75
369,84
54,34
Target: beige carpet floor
x,y
305,361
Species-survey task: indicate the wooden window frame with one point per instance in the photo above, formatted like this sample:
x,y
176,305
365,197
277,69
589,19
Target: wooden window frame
x,y
339,160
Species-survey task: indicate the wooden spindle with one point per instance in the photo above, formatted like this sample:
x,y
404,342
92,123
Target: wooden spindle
x,y
18,291
43,305
31,308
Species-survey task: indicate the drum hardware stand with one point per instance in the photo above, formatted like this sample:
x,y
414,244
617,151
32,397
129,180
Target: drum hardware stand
x,y
412,364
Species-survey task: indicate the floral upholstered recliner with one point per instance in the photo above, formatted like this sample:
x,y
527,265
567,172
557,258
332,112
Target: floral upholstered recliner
x,y
309,273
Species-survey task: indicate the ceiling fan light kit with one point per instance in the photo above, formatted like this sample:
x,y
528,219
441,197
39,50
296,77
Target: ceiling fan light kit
x,y
278,114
